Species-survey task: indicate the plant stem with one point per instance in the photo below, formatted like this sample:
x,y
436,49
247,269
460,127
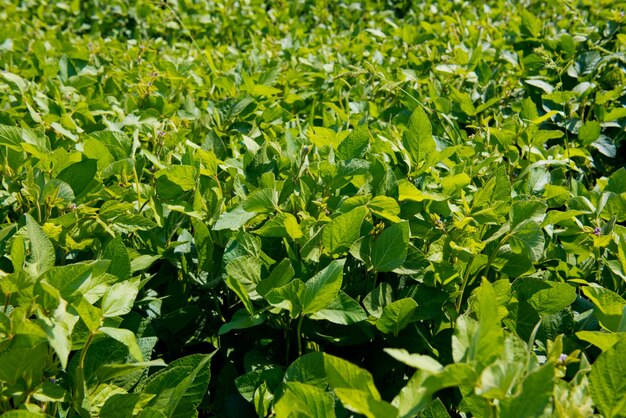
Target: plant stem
x,y
6,302
298,330
83,352
459,300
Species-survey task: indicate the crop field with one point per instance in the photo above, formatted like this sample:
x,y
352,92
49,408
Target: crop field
x,y
291,209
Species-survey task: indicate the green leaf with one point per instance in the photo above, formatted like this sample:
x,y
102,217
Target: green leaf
x,y
120,405
527,210
389,250
283,225
385,207
301,400
339,235
180,387
241,292
354,145
282,273
233,219
342,310
363,403
418,138
261,201
287,297
589,132
378,298
127,338
417,361
204,245
173,182
117,252
11,136
111,371
534,397
544,296
527,238
396,316
79,175
118,299
490,338
342,374
241,319
321,289
608,381
23,361
602,340
308,369
42,254
608,305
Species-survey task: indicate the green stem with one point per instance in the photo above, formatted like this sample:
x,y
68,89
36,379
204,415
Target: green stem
x,y
459,300
299,331
6,303
83,352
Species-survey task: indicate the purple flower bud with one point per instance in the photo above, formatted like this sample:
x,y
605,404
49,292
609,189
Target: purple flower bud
x,y
562,357
596,231
161,133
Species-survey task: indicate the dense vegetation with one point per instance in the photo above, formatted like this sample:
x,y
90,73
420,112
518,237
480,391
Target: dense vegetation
x,y
312,208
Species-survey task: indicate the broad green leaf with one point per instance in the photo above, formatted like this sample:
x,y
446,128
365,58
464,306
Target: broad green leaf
x,y
417,361
608,381
117,252
180,387
283,225
127,338
241,292
608,305
527,238
355,144
589,132
11,136
544,296
241,319
534,397
120,404
396,316
118,299
308,369
342,374
288,297
342,231
378,298
42,254
261,201
301,400
280,275
602,340
204,245
385,207
418,138
389,249
489,341
451,184
525,210
233,219
79,175
364,403
112,371
173,182
247,384
321,289
342,310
